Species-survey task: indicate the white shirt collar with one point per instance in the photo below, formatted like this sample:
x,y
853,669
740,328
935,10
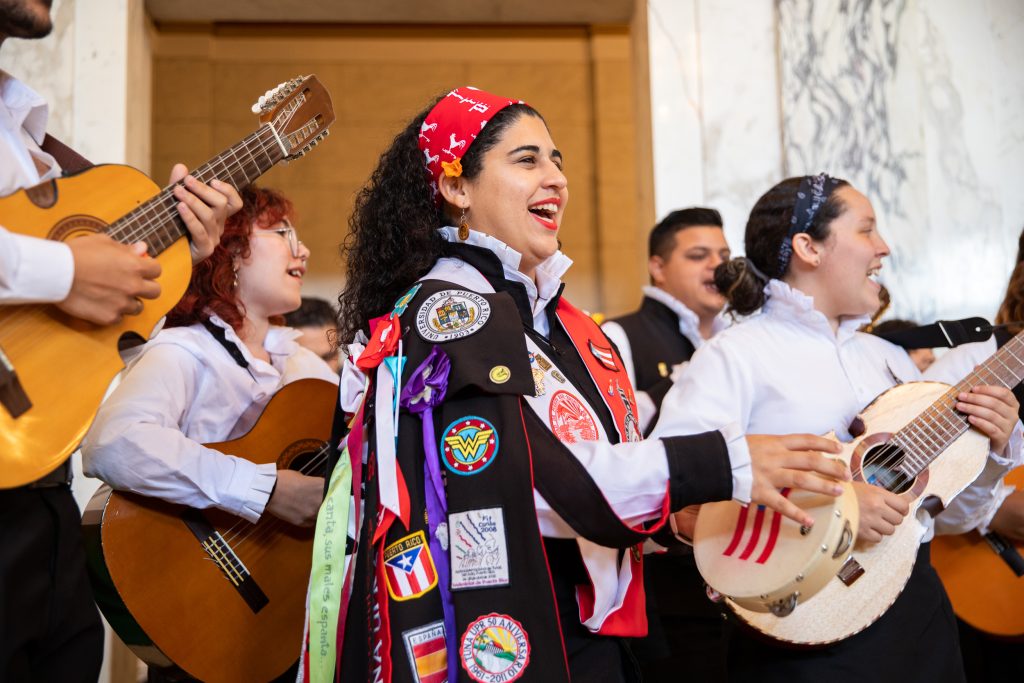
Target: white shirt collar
x,y
23,107
786,302
549,271
689,322
280,341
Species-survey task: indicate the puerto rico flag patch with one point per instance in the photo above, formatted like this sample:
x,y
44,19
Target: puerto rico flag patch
x,y
409,567
603,355
428,657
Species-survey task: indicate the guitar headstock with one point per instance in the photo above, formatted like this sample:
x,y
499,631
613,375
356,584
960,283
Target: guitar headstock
x,y
300,110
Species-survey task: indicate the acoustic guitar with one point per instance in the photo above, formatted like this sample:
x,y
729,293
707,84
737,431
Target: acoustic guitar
x,y
813,591
985,590
204,590
55,369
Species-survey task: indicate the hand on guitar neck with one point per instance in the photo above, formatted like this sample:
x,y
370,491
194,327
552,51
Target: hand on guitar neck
x,y
296,498
993,412
111,279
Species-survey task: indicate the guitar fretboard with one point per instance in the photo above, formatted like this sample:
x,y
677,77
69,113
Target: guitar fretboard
x,y
156,221
930,433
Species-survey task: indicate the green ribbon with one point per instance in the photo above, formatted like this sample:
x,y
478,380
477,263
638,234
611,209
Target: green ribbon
x,y
327,578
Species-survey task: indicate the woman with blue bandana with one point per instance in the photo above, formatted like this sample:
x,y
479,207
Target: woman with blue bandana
x,y
813,251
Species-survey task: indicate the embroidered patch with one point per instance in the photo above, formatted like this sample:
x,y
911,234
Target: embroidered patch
x,y
570,420
469,445
603,355
479,556
452,314
495,649
404,300
409,567
428,657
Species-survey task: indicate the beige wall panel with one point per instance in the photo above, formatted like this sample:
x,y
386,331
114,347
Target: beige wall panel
x,y
182,90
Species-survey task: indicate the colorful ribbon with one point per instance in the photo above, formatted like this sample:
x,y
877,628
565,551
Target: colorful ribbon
x,y
424,390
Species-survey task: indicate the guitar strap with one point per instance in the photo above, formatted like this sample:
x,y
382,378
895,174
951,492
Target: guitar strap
x,y
231,347
70,161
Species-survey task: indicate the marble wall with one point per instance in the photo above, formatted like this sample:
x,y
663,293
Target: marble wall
x,y
919,104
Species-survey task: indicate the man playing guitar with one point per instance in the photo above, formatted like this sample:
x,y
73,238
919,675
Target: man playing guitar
x,y
49,626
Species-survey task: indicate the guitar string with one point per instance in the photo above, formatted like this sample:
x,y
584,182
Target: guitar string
x,y
259,533
941,408
21,315
243,527
244,531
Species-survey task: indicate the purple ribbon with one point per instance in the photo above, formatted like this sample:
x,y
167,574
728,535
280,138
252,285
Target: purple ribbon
x,y
426,388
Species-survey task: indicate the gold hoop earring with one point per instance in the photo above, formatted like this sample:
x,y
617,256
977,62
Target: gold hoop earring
x,y
463,227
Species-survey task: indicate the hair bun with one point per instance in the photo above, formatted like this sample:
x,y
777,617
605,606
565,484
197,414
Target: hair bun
x,y
742,284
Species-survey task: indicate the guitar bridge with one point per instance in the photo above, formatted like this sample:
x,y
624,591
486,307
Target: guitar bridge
x,y
12,394
850,571
226,560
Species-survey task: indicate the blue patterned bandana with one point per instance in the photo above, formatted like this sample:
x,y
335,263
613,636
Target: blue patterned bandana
x,y
813,192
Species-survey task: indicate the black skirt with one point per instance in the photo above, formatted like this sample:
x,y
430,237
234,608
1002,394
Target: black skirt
x,y
916,640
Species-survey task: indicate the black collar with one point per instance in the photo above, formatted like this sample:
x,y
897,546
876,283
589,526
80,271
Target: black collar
x,y
221,335
489,265
659,311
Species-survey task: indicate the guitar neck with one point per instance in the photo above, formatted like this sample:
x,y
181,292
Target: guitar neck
x,y
930,433
156,221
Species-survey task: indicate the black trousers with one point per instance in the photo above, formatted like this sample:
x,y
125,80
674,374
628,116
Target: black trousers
x,y
686,631
50,629
915,640
988,659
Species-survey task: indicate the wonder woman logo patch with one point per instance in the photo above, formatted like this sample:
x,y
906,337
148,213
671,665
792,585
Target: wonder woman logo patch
x,y
469,445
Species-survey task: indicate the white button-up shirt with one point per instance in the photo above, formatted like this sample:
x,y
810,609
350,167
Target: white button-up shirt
x,y
182,391
31,269
785,371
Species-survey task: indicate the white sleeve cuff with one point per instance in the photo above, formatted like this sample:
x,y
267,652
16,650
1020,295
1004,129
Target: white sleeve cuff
x,y
256,482
999,496
739,461
45,270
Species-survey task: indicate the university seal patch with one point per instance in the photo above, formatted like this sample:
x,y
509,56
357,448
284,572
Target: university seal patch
x,y
570,420
495,649
468,445
479,555
409,567
428,658
451,314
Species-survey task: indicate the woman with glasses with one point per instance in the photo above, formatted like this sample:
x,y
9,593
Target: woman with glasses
x,y
208,374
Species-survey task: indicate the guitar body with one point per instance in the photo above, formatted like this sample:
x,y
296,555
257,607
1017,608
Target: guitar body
x,y
167,598
53,353
983,589
838,610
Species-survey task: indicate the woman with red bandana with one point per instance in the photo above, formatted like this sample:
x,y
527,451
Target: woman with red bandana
x,y
505,491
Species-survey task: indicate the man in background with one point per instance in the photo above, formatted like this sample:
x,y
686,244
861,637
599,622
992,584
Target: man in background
x,y
679,311
317,320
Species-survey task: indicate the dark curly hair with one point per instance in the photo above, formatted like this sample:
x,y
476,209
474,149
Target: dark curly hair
x,y
1011,311
767,227
392,239
211,288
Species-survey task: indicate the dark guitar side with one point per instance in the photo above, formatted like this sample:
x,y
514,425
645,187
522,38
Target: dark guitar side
x,y
171,603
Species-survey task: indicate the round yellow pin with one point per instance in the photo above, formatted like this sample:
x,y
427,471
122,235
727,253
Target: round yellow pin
x,y
500,374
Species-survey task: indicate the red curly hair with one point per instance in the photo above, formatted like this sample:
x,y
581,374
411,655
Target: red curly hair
x,y
211,289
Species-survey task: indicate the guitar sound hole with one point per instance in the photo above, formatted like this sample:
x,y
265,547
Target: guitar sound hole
x,y
880,467
310,461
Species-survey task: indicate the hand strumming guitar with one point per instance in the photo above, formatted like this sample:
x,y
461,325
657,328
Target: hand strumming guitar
x,y
203,208
296,498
